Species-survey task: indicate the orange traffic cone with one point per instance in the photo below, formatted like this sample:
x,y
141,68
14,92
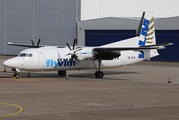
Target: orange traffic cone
x,y
169,80
4,69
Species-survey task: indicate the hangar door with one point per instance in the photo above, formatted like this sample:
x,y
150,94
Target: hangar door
x,y
102,37
171,53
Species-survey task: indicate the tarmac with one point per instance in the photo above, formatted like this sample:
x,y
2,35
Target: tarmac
x,y
136,92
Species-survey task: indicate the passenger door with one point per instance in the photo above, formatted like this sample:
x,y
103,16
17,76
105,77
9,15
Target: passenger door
x,y
41,60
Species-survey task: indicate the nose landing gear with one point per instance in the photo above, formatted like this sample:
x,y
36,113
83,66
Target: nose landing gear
x,y
16,74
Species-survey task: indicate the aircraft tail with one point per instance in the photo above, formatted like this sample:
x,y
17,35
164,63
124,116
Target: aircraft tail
x,y
145,35
146,30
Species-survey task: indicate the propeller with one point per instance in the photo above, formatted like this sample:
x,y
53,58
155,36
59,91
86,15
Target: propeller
x,y
58,56
37,43
73,51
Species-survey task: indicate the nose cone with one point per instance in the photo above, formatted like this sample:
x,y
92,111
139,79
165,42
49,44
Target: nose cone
x,y
9,63
6,63
12,63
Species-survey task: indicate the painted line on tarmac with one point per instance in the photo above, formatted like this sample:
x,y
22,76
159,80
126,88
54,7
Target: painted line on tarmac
x,y
20,109
92,86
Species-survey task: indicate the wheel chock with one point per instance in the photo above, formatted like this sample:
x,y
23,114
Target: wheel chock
x,y
16,78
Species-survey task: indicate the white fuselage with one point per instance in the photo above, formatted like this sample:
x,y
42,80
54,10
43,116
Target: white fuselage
x,y
54,59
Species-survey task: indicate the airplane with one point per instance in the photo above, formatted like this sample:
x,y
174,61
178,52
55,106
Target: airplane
x,y
53,58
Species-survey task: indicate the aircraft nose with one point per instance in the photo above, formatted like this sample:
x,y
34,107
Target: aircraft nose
x,y
6,63
12,63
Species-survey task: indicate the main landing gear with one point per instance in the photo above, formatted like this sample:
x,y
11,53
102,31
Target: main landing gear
x,y
99,74
62,72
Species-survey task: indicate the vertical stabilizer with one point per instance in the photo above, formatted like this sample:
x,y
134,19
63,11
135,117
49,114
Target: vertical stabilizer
x,y
140,25
145,34
147,29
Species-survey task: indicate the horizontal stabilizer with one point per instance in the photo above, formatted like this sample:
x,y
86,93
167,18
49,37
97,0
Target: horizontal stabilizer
x,y
167,44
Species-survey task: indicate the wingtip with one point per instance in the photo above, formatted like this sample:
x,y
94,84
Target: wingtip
x,y
9,43
170,43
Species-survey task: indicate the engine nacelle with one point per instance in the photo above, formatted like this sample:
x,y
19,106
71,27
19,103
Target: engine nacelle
x,y
84,54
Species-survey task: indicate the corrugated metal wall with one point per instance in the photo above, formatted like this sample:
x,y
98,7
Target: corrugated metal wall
x,y
18,24
94,9
54,21
2,12
48,21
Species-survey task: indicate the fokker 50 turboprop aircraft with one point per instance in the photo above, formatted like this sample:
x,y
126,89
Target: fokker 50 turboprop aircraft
x,y
53,58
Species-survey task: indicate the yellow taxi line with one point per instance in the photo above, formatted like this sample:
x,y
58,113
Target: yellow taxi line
x,y
20,109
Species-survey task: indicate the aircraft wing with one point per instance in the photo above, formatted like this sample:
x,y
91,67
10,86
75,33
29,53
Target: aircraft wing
x,y
110,49
23,45
30,45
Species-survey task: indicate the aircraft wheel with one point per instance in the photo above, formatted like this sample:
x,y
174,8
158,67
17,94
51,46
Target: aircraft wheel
x,y
99,74
17,76
62,73
14,75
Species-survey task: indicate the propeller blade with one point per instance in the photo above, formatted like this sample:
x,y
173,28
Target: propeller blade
x,y
67,54
32,42
72,52
38,43
71,60
68,46
78,49
74,43
58,54
75,57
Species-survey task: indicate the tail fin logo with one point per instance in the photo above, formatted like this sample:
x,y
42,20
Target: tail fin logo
x,y
141,55
144,32
148,37
145,28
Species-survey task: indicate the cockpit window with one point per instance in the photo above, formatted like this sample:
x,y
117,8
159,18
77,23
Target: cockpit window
x,y
30,55
25,55
22,54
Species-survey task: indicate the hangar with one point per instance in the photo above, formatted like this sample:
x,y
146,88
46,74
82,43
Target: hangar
x,y
58,21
